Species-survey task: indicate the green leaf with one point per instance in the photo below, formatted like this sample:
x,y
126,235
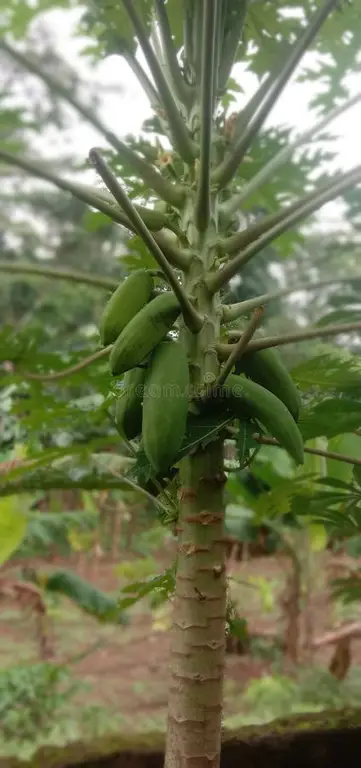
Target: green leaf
x,y
339,316
338,370
348,590
201,430
357,474
318,537
163,585
333,416
348,445
246,445
13,526
109,23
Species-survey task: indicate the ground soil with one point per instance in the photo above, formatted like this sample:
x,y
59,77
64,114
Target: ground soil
x,y
127,672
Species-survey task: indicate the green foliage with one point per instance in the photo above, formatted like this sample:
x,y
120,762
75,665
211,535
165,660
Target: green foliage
x,y
31,698
333,416
52,529
312,691
13,525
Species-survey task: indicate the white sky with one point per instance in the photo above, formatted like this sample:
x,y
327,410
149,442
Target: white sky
x,y
126,112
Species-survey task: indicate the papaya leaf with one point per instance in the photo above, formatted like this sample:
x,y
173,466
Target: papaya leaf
x,y
318,537
13,527
348,590
357,474
349,445
333,416
162,585
339,316
201,430
328,371
246,445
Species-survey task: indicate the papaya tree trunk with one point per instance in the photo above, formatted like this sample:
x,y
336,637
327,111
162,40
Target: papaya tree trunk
x,y
198,634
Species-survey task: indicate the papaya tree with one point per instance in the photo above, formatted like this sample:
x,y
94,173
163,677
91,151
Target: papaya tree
x,y
195,367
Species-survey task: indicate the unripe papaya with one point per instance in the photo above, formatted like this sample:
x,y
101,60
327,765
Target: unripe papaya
x,y
267,368
165,405
247,399
143,333
128,409
130,296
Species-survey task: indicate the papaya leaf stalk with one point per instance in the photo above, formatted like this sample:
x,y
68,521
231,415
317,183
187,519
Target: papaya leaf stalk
x,y
337,185
171,193
231,312
228,168
192,318
240,347
182,140
263,440
266,173
230,42
95,198
224,350
286,222
69,275
208,75
183,90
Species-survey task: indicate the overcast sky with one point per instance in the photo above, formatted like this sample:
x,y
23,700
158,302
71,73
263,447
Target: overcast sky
x,y
126,112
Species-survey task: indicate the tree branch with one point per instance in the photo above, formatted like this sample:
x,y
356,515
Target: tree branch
x,y
229,167
314,451
22,268
231,312
349,631
268,170
191,317
171,193
286,220
96,199
67,371
182,140
224,350
240,347
183,91
208,74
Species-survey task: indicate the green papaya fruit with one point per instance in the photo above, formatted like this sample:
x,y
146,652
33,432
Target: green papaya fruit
x,y
143,333
128,408
130,296
250,400
267,368
165,404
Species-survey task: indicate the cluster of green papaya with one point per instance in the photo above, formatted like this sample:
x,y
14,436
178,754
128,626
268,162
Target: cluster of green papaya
x,y
154,400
